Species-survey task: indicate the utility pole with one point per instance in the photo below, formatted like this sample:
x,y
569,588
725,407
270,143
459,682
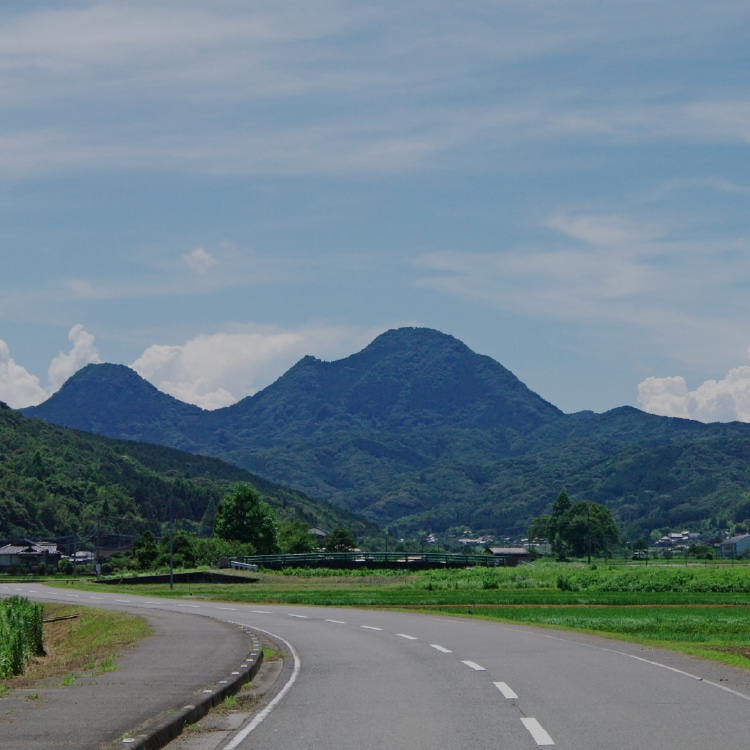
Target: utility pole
x,y
171,546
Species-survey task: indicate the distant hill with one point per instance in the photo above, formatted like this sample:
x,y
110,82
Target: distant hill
x,y
56,481
419,432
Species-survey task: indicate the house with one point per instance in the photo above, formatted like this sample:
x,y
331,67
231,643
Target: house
x,y
677,540
511,555
736,546
28,555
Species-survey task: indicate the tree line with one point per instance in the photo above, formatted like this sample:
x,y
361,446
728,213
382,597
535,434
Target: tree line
x,y
245,524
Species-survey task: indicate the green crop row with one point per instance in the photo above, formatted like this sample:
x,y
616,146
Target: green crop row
x,y
21,634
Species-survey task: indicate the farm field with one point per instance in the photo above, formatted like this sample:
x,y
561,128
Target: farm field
x,y
699,609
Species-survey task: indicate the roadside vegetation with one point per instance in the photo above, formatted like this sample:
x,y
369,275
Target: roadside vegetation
x,y
77,641
21,634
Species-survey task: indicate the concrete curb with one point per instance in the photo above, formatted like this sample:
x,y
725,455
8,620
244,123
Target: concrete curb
x,y
161,731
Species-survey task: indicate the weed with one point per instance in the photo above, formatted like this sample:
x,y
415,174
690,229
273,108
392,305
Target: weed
x,y
231,702
69,679
107,664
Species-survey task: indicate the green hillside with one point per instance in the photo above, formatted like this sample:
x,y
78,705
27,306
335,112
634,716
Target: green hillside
x,y
57,482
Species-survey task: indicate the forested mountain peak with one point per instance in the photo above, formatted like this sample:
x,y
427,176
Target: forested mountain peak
x,y
405,378
114,400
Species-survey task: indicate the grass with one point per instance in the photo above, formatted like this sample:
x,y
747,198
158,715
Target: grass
x,y
231,703
89,642
697,609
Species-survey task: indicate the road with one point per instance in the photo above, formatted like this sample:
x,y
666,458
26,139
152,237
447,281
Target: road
x,y
374,679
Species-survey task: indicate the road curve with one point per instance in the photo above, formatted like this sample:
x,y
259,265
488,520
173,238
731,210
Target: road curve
x,y
373,679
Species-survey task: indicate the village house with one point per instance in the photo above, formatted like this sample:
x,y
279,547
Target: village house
x,y
28,555
736,546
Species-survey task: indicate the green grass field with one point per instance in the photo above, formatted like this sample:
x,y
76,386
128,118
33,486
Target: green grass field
x,y
698,609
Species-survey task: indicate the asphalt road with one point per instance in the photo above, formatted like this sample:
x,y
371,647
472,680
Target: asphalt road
x,y
374,679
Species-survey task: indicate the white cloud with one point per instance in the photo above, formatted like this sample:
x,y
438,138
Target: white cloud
x,y
604,230
219,369
18,387
83,353
187,85
723,400
200,261
611,261
683,295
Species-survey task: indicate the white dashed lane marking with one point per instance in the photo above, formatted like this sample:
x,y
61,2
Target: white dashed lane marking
x,y
505,690
537,732
473,665
370,627
408,637
441,649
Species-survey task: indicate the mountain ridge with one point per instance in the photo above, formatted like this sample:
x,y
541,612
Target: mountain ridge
x,y
417,431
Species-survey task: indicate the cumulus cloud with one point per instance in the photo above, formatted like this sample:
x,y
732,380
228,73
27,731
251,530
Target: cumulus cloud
x,y
219,369
83,353
18,387
725,400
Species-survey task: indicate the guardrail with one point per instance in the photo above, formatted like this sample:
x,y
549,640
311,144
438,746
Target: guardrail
x,y
414,560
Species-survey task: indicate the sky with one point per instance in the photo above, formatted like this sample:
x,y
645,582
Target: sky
x,y
208,192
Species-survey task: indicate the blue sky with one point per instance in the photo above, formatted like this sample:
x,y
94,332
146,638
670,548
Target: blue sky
x,y
210,191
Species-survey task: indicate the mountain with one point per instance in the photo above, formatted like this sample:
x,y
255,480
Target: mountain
x,y
417,431
57,482
114,401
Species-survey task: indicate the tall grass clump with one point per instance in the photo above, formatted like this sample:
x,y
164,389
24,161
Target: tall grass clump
x,y
21,634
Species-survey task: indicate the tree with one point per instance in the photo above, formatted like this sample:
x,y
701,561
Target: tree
x,y
183,551
340,540
296,538
540,528
243,516
560,507
586,527
145,550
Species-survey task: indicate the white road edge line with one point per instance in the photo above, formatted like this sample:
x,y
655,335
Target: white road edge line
x,y
441,649
242,735
505,690
476,667
537,732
